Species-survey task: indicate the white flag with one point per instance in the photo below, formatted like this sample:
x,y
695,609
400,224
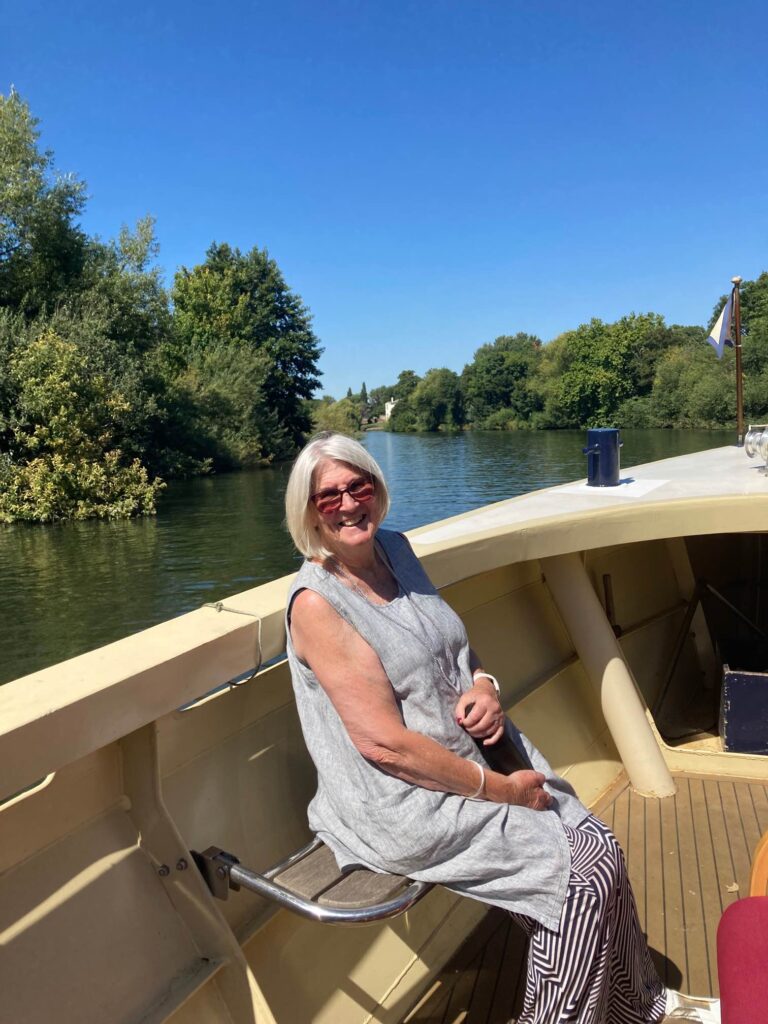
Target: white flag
x,y
721,332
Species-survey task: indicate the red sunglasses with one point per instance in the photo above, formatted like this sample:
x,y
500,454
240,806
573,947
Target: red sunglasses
x,y
329,500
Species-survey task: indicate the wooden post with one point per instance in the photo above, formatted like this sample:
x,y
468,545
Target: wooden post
x,y
737,347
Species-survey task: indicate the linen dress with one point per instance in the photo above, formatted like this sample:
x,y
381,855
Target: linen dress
x,y
512,857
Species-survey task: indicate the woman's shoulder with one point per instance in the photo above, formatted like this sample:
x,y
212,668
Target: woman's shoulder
x,y
315,612
308,581
310,606
310,574
315,591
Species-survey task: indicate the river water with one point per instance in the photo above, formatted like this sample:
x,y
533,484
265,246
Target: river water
x,y
70,587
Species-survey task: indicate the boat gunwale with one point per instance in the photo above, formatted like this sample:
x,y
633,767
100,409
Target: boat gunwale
x,y
54,716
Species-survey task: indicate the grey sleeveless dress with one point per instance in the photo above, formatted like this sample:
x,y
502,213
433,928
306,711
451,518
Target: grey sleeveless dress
x,y
508,856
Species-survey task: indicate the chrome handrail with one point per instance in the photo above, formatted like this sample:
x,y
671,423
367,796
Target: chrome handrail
x,y
222,871
328,913
294,858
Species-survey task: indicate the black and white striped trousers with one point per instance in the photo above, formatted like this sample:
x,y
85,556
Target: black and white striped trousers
x,y
596,969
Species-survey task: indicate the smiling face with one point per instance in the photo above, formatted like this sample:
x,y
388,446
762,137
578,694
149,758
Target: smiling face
x,y
350,530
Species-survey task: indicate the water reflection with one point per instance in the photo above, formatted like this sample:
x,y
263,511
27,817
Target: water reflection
x,y
71,587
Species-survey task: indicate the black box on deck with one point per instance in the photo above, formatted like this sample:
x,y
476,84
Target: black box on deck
x,y
744,710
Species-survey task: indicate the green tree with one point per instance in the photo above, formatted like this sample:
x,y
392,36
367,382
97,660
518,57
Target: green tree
x,y
62,461
592,372
42,249
754,326
342,417
105,297
588,378
499,379
645,337
234,420
13,328
121,318
403,419
693,389
233,309
377,397
437,401
406,384
121,279
753,302
754,318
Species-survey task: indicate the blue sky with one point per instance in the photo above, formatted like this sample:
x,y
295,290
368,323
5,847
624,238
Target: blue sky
x,y
428,174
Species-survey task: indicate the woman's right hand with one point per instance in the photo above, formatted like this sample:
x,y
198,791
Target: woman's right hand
x,y
524,789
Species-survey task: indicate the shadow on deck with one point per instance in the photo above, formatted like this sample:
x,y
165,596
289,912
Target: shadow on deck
x,y
688,858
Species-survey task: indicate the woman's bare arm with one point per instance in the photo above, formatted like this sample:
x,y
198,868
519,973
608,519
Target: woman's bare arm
x,y
352,675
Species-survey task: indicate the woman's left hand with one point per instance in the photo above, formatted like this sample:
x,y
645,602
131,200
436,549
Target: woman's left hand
x,y
486,719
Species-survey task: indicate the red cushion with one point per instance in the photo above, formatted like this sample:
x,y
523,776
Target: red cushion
x,y
742,961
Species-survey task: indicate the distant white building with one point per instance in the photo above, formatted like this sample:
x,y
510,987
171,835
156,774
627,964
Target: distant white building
x,y
389,406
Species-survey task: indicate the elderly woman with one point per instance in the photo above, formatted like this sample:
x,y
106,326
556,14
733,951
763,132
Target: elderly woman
x,y
392,701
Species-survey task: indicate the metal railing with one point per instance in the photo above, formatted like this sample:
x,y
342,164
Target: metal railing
x,y
223,872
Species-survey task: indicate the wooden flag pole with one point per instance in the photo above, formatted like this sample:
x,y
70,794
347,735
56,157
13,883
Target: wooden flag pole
x,y
737,347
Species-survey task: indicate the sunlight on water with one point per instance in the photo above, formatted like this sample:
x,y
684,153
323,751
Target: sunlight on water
x,y
71,587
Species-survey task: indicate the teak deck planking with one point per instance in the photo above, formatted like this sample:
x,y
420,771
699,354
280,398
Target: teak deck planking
x,y
688,857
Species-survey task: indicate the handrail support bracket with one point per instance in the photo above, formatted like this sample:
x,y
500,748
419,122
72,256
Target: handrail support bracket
x,y
215,865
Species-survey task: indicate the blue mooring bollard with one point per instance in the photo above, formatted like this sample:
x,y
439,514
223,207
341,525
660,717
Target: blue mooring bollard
x,y
602,453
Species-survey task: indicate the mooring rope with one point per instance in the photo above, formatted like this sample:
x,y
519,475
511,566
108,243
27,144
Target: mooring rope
x,y
219,606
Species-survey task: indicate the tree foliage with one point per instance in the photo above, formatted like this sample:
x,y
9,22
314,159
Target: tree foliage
x,y
589,375
42,249
342,417
105,385
635,372
377,399
498,382
62,462
435,403
407,382
246,346
109,383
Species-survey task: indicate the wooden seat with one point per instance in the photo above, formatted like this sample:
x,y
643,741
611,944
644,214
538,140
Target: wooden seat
x,y
317,877
309,883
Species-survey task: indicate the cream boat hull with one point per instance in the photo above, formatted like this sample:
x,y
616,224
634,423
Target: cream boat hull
x,y
126,758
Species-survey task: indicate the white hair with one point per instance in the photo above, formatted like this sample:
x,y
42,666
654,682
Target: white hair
x,y
300,515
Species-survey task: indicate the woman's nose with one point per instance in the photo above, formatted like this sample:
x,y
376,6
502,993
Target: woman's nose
x,y
352,501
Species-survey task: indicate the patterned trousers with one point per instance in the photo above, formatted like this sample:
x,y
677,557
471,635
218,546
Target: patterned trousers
x,y
596,969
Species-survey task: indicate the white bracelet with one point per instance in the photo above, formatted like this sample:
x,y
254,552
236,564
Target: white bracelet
x,y
481,788
493,679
